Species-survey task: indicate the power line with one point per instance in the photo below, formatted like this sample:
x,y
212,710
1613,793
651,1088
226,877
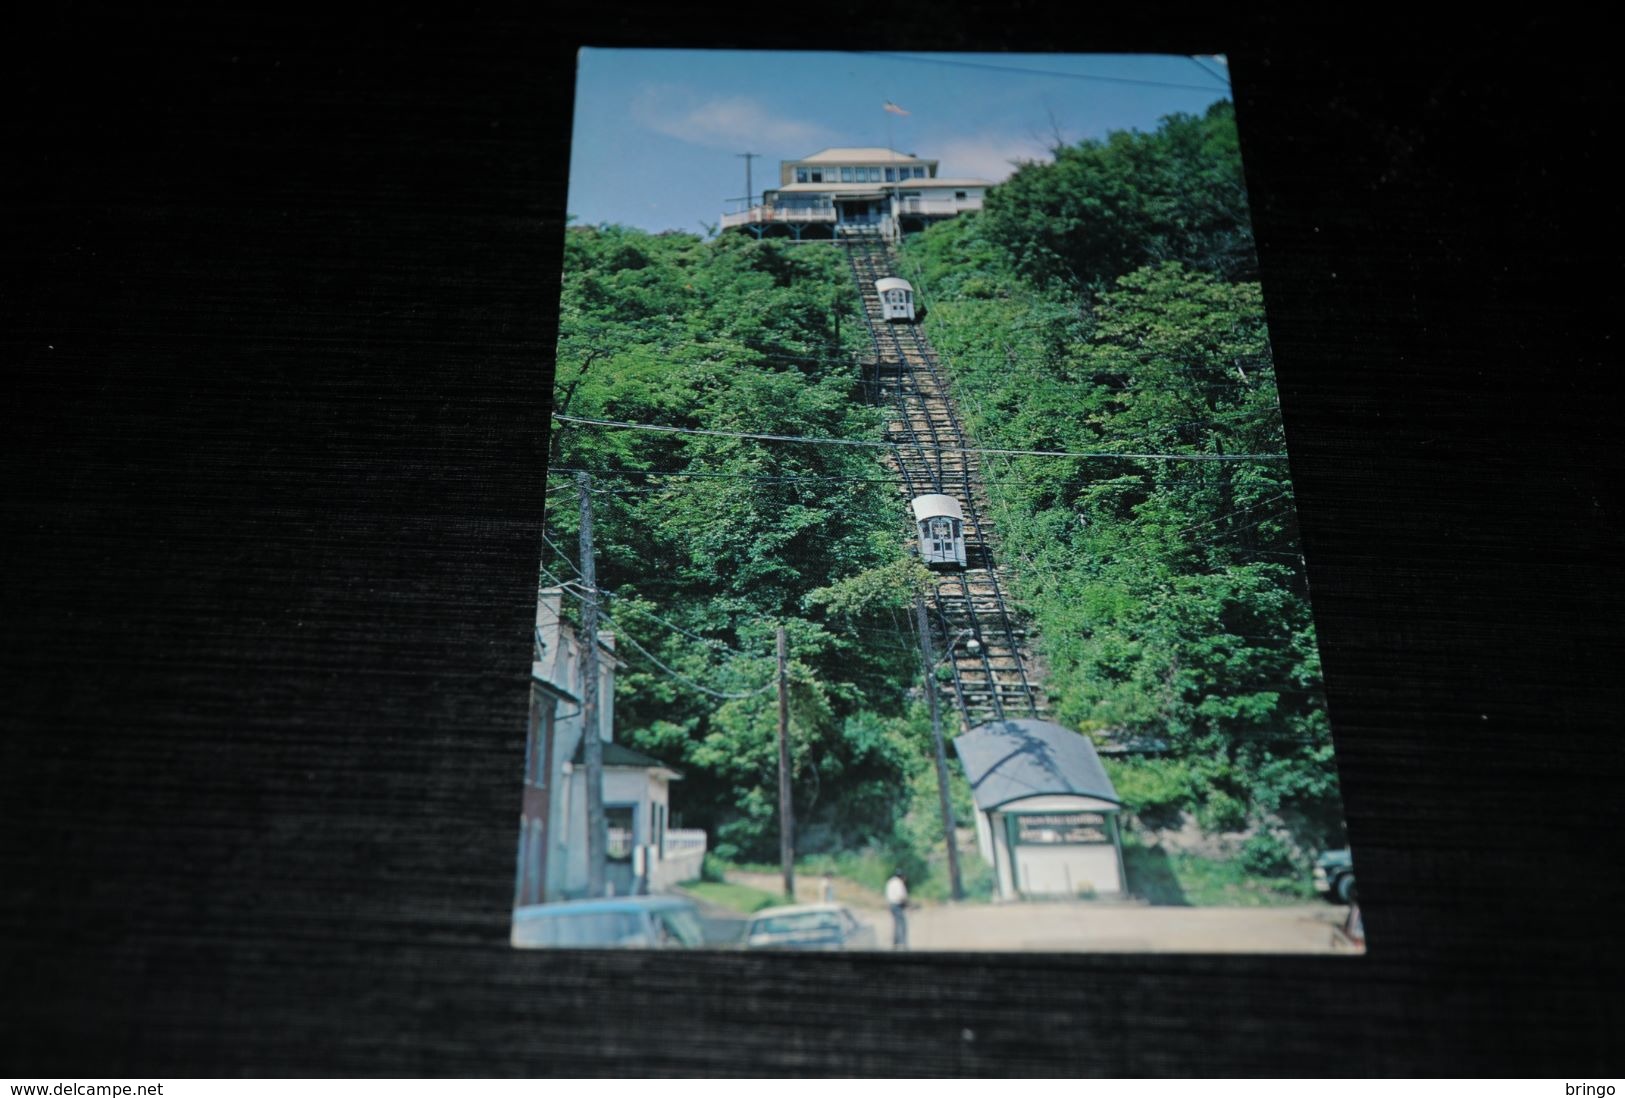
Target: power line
x,y
722,476
688,682
565,557
623,634
608,594
1197,61
990,67
870,444
677,628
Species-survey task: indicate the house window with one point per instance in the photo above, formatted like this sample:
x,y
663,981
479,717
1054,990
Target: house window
x,y
959,195
891,175
815,175
801,175
919,173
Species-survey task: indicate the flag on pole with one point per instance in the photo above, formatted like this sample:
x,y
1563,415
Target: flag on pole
x,y
894,108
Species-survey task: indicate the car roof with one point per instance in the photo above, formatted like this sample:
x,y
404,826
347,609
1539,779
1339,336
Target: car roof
x,y
797,909
600,907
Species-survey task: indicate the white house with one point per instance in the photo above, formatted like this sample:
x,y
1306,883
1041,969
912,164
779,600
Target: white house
x,y
645,853
839,190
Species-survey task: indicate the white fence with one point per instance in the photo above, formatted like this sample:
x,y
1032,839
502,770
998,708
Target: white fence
x,y
685,851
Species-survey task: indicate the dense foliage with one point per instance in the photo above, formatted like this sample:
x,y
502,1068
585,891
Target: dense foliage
x,y
1102,304
1105,208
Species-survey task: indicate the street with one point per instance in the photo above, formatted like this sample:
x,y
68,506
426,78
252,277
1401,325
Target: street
x,y
1102,926
1073,926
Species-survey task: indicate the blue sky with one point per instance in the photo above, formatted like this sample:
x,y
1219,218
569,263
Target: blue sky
x,y
656,131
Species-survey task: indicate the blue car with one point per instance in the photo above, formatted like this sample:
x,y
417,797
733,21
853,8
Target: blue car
x,y
631,922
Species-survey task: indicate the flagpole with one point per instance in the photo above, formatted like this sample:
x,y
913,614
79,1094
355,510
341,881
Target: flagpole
x,y
892,108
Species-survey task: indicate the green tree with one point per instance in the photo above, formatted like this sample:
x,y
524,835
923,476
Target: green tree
x,y
711,542
1106,207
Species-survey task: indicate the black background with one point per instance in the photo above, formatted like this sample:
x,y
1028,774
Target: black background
x,y
280,294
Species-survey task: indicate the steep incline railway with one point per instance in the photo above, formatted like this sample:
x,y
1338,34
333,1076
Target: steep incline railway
x,y
994,679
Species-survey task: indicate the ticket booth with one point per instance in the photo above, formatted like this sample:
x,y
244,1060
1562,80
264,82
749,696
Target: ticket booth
x,y
1046,812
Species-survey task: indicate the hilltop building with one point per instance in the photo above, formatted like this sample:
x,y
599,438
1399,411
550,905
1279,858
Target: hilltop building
x,y
838,191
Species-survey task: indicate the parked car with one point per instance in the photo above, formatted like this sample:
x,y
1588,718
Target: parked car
x,y
808,926
631,922
1334,877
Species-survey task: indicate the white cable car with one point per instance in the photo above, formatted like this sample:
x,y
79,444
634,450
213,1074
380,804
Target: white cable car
x,y
896,299
941,525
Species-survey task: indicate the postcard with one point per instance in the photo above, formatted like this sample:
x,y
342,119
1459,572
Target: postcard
x,y
921,568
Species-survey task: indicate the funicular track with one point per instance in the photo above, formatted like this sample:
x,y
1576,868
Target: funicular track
x,y
932,455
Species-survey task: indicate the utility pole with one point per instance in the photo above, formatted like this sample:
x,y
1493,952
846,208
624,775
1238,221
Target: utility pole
x,y
748,157
592,747
787,819
929,664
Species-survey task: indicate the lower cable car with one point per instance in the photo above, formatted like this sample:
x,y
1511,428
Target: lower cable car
x,y
941,526
896,299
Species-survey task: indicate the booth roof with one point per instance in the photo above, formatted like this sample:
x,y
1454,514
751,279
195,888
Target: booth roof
x,y
1008,760
619,755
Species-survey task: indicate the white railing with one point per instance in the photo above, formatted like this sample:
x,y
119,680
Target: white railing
x,y
778,215
940,206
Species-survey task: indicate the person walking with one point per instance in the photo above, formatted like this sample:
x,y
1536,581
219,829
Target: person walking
x,y
897,898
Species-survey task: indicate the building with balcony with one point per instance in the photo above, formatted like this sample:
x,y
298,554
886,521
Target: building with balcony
x,y
842,190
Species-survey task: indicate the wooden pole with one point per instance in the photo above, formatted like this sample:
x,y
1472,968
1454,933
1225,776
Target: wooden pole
x,y
929,663
787,819
592,747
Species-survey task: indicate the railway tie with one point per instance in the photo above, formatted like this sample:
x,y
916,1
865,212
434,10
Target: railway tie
x,y
997,680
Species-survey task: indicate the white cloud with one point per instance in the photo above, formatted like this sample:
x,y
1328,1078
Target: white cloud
x,y
988,156
722,122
